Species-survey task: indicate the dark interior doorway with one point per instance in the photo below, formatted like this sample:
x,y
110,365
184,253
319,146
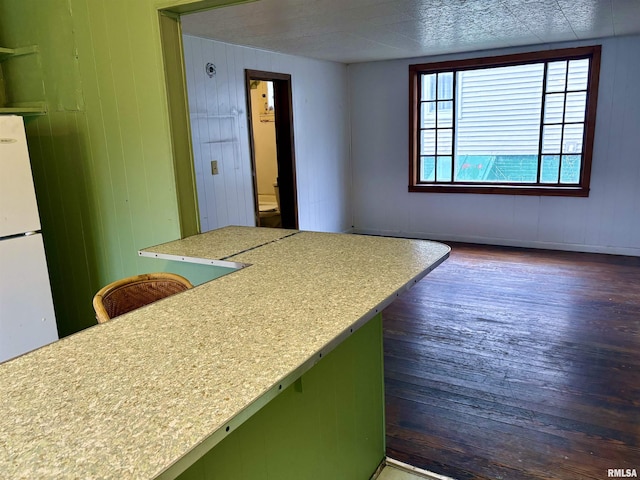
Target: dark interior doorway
x,y
276,106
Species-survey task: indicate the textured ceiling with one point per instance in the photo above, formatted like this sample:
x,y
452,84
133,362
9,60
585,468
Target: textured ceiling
x,y
352,31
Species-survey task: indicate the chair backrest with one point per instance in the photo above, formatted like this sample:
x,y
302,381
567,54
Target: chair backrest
x,y
130,293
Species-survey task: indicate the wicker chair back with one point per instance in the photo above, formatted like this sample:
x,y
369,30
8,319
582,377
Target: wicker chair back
x,y
130,293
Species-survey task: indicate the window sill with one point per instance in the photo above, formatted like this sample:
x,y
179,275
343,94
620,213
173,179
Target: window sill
x,y
573,191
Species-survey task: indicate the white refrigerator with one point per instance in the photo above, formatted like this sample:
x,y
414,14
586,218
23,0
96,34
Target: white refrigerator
x,y
27,318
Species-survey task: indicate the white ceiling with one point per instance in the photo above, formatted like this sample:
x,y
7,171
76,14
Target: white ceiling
x,y
351,31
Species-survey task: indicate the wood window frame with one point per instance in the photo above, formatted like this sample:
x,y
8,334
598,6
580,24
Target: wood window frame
x,y
580,189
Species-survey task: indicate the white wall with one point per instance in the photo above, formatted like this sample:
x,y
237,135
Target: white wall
x,y
607,221
321,130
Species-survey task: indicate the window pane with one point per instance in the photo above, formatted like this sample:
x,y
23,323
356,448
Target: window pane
x,y
516,168
557,76
428,115
445,114
570,169
499,110
576,105
553,107
445,141
551,136
443,173
473,168
572,141
549,168
498,168
427,169
428,142
429,87
445,86
578,73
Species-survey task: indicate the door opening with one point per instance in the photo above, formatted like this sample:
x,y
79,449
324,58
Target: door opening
x,y
270,118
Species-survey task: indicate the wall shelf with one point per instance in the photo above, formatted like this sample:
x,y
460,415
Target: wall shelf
x,y
35,108
17,108
212,117
229,130
233,114
222,141
6,53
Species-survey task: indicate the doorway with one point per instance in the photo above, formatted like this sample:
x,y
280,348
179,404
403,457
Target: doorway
x,y
271,141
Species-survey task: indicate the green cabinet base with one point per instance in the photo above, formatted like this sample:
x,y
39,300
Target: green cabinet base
x,y
327,425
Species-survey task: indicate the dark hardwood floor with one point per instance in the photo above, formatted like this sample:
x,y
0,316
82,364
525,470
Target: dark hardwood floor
x,y
516,364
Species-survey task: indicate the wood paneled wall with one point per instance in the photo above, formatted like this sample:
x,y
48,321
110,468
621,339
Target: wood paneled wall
x,y
220,132
102,157
606,221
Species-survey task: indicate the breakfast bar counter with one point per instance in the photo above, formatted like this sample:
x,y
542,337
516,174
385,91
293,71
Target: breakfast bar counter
x,y
150,393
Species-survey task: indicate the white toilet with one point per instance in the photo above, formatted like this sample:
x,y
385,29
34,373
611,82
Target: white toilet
x,y
269,211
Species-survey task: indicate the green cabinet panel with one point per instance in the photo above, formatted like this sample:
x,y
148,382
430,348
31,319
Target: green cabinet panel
x,y
327,425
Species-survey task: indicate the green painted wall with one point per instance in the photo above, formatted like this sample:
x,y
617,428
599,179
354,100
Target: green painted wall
x,y
332,429
102,156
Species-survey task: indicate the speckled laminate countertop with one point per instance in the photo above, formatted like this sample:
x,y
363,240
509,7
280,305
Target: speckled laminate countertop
x,y
217,247
148,393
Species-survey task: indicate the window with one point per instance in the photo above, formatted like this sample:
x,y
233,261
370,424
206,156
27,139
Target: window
x,y
515,124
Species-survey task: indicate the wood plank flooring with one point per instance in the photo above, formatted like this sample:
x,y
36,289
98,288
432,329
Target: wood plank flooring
x,y
516,364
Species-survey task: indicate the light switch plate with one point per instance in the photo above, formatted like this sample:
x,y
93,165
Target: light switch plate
x,y
214,167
